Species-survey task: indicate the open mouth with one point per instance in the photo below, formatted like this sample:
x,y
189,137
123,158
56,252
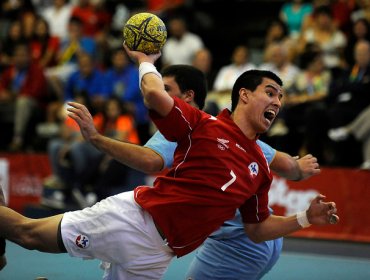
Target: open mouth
x,y
270,115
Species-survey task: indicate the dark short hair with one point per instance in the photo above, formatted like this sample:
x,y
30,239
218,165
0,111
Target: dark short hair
x,y
250,80
189,78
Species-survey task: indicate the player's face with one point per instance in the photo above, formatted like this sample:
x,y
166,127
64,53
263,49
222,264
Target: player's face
x,y
266,102
172,87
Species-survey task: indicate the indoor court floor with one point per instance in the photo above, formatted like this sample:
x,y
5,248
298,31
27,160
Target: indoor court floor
x,y
301,259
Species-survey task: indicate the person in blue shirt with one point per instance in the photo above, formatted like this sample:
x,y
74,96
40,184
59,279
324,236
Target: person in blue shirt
x,y
228,253
86,80
121,80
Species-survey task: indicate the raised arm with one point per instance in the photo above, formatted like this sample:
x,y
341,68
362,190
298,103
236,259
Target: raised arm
x,y
294,168
151,84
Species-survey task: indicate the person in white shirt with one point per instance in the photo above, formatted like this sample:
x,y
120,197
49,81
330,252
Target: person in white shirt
x,y
181,45
58,17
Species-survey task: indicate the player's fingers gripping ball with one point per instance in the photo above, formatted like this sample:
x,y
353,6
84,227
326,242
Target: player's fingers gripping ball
x,y
145,32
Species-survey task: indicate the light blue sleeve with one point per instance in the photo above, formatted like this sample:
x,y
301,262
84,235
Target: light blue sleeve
x,y
163,147
267,150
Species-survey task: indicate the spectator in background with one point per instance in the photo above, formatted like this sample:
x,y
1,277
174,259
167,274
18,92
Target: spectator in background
x,y
327,36
13,37
58,17
28,21
67,56
44,47
349,95
122,80
116,123
82,172
86,79
228,74
203,61
360,30
293,14
277,61
23,87
10,10
94,17
181,44
67,164
362,10
304,107
277,32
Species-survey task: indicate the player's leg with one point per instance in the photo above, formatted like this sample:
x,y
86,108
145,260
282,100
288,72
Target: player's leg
x,y
33,234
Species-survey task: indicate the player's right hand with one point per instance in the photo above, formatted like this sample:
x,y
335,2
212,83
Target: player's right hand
x,y
139,57
85,121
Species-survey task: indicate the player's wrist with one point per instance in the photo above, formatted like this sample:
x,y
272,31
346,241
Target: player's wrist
x,y
146,68
302,219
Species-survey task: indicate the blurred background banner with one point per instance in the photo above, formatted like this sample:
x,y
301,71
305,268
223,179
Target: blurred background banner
x,y
26,174
349,188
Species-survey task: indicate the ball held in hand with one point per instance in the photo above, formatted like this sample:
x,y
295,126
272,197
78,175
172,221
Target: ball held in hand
x,y
145,32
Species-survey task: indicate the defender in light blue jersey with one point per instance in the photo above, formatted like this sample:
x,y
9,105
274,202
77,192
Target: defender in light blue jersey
x,y
228,247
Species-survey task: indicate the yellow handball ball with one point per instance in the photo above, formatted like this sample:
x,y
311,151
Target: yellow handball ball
x,y
145,32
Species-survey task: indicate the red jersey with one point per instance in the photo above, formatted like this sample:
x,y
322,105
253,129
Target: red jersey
x,y
208,180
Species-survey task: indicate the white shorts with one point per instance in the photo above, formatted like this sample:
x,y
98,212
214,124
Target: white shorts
x,y
119,232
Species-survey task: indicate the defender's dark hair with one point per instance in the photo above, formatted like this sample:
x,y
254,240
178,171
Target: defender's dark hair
x,y
250,80
189,78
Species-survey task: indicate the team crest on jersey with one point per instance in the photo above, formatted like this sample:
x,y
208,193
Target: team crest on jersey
x,y
253,169
82,241
222,144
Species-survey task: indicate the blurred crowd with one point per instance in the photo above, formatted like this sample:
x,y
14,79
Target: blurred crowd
x,y
55,51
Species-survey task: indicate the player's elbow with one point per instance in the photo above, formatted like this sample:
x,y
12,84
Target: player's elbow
x,y
253,234
24,236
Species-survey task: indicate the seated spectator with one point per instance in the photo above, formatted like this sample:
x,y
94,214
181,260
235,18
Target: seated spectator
x,y
67,57
89,79
67,163
122,80
360,31
93,16
219,97
23,88
58,17
44,47
115,123
203,61
349,94
277,61
293,13
86,79
327,36
304,107
277,33
228,74
83,172
14,35
181,44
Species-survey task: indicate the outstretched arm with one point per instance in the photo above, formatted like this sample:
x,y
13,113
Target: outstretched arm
x,y
293,168
134,156
319,213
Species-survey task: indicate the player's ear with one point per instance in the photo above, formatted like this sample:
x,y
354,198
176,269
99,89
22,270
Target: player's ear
x,y
189,96
244,95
